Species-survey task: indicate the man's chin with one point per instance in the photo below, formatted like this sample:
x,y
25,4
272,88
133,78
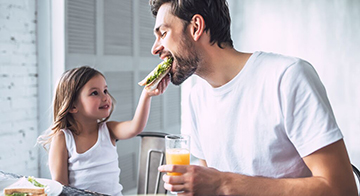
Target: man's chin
x,y
180,74
178,80
176,83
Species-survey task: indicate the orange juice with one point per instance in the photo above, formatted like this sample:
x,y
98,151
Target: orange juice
x,y
177,156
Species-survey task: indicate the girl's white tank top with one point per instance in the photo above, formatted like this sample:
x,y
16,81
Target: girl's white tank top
x,y
96,169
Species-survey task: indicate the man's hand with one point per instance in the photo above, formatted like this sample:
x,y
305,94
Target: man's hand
x,y
194,179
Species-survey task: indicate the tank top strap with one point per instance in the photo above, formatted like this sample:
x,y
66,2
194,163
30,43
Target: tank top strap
x,y
69,140
104,133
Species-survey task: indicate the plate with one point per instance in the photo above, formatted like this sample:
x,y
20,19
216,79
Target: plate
x,y
53,188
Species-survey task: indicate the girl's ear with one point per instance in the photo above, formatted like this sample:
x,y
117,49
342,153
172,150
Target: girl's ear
x,y
73,110
197,26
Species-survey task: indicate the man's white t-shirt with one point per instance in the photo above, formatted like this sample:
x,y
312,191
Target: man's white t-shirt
x,y
262,122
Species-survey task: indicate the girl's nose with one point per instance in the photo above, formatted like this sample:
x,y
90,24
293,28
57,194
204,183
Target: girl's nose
x,y
105,97
157,47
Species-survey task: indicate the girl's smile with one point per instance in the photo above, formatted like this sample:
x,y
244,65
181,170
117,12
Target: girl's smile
x,y
106,106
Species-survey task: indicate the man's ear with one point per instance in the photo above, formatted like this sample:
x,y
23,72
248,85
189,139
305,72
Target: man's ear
x,y
197,26
73,110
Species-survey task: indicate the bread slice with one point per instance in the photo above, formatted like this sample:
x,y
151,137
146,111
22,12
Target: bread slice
x,y
32,190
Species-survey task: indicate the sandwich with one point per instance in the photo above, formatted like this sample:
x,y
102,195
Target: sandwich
x,y
152,80
29,191
25,187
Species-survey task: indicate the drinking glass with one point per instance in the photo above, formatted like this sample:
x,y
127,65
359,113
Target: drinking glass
x,y
177,150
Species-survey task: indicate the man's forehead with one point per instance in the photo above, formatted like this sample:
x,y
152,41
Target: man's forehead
x,y
163,15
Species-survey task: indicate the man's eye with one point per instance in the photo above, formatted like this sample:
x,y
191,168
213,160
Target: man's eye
x,y
94,93
163,34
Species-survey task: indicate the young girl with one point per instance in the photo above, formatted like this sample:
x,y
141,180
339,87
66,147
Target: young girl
x,y
82,149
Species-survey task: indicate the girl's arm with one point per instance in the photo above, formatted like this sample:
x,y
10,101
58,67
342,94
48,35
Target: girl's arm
x,y
58,159
128,129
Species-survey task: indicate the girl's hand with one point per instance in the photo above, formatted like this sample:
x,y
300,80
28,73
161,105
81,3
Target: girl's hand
x,y
160,88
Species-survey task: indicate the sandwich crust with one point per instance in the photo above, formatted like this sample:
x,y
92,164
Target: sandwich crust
x,y
32,190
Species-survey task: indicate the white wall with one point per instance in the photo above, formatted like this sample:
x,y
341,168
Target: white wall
x,y
324,32
18,87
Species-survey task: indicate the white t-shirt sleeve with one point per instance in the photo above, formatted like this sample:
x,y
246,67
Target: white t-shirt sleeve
x,y
308,118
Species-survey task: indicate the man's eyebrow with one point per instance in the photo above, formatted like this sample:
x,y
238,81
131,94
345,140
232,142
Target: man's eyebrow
x,y
157,29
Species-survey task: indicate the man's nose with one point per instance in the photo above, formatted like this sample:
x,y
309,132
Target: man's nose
x,y
156,48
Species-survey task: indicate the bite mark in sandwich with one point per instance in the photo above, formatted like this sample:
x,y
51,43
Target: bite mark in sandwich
x,y
152,80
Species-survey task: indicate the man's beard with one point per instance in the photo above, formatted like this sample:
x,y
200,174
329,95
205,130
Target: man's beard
x,y
185,66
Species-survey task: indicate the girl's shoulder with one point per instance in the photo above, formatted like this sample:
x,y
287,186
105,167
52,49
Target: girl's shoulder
x,y
59,139
64,135
108,127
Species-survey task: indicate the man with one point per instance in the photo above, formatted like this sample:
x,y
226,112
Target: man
x,y
261,123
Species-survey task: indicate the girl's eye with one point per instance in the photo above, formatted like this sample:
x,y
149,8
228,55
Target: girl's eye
x,y
106,91
94,93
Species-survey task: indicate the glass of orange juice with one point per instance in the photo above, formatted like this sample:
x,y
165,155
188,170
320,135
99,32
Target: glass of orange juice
x,y
177,150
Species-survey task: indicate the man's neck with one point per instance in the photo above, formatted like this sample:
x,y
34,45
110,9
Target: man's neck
x,y
221,65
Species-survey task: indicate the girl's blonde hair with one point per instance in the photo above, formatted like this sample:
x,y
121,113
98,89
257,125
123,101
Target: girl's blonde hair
x,y
67,91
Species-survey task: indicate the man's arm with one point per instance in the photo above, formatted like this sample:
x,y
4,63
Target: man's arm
x,y
330,166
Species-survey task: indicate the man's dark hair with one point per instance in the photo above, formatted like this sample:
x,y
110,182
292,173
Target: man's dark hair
x,y
215,13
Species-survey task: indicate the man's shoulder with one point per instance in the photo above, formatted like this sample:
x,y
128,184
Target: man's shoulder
x,y
278,62
280,58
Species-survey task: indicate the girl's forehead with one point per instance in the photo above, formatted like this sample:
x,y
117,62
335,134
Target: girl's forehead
x,y
96,81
